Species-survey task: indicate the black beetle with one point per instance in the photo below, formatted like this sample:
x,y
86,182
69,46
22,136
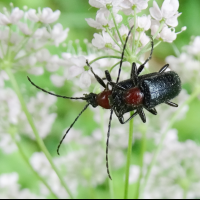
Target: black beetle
x,y
138,92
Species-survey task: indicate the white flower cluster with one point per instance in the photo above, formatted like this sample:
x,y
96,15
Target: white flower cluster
x,y
42,166
10,188
176,173
24,36
160,21
13,120
187,63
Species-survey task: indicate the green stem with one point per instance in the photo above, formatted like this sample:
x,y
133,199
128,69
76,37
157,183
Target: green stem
x,y
145,47
37,136
110,70
8,42
113,38
111,189
138,41
143,148
154,46
128,157
113,17
114,50
101,57
119,35
134,29
185,194
23,155
171,123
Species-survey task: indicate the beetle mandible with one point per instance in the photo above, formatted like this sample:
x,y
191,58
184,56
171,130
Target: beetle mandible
x,y
138,92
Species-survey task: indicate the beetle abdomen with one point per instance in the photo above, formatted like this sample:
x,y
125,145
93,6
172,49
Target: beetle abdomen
x,y
160,88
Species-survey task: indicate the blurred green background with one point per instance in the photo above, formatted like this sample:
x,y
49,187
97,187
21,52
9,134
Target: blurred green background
x,y
73,14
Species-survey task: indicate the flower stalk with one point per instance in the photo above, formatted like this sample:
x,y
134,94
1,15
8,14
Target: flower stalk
x,y
37,136
128,162
26,160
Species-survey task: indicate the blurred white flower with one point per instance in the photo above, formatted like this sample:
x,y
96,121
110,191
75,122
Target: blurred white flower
x,y
58,35
168,35
106,4
24,28
194,47
183,158
13,18
129,5
78,67
168,12
46,16
42,166
10,188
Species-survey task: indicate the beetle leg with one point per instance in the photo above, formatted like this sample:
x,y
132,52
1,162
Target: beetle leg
x,y
141,67
171,104
152,110
116,86
134,75
107,143
99,80
108,76
163,68
141,113
121,118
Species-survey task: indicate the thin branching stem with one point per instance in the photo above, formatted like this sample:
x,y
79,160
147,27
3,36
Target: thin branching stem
x,y
128,162
37,136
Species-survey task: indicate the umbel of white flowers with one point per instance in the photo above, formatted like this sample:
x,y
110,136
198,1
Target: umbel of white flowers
x,y
24,35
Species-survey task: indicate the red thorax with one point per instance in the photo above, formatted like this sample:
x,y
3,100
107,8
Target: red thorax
x,y
102,99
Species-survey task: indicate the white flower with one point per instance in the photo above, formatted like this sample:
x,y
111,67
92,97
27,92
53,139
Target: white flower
x,y
144,39
58,34
14,17
47,16
39,109
53,63
129,5
24,28
78,67
10,188
194,47
101,41
168,35
143,22
165,183
106,4
101,20
168,12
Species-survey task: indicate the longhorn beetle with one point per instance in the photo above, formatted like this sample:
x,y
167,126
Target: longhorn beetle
x,y
134,94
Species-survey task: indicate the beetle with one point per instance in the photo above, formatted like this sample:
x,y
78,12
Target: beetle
x,y
138,92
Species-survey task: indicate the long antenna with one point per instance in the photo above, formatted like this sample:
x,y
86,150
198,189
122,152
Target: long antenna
x,y
71,127
122,57
83,98
107,143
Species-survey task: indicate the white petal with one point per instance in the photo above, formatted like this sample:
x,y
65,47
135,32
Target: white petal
x,y
173,21
95,4
4,20
91,22
169,8
155,11
85,80
16,15
98,41
31,15
74,71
